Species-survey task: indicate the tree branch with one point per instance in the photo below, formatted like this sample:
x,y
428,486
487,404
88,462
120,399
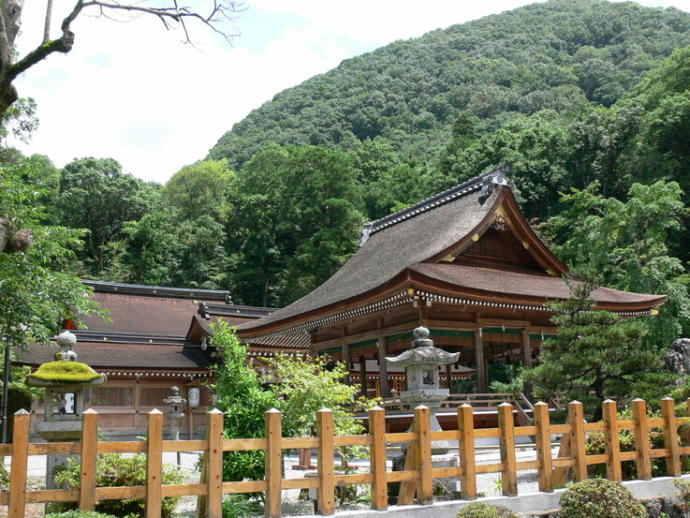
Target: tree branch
x,y
221,11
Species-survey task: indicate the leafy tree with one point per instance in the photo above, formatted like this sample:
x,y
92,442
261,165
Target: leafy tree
x,y
96,195
306,385
532,148
594,356
662,147
200,189
212,15
296,219
626,244
36,291
148,253
243,400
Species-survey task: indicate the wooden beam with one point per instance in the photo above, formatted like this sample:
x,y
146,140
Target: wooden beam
x,y
506,322
396,329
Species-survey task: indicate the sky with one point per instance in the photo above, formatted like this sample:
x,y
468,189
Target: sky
x,y
131,91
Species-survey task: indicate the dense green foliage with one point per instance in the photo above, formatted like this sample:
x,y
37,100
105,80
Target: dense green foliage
x,y
482,510
625,244
561,55
37,290
117,470
596,444
595,355
599,498
243,401
299,388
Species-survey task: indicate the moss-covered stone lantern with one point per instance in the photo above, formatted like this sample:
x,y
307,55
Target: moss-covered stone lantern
x,y
67,383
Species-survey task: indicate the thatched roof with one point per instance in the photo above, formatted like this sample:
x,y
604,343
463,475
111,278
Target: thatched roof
x,y
410,245
398,243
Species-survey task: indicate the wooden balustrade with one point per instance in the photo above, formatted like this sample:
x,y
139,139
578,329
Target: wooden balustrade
x,y
416,477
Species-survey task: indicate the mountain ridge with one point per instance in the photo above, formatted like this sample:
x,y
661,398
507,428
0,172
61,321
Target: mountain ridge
x,y
560,55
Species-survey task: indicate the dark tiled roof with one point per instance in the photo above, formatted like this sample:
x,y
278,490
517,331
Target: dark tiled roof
x,y
100,355
292,340
522,284
208,310
390,250
483,183
141,314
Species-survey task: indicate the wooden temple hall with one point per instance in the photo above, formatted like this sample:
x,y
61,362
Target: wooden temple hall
x,y
154,338
466,264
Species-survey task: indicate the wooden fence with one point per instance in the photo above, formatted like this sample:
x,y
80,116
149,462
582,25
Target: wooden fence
x,y
416,478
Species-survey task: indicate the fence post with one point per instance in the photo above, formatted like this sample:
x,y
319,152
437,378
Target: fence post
x,y
668,409
577,440
89,445
154,463
426,483
507,443
214,465
20,455
613,446
326,492
543,443
641,428
408,488
379,486
274,455
468,479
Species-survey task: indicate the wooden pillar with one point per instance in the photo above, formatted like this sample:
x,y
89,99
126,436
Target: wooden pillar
x,y
526,349
383,367
346,361
482,385
274,457
363,375
448,376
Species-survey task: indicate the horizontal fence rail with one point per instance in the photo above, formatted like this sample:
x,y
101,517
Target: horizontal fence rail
x,y
416,479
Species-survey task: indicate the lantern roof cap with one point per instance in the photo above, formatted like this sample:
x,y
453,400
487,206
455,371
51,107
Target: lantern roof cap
x,y
423,352
64,372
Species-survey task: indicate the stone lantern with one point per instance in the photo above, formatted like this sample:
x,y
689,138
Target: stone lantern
x,y
421,364
67,383
176,404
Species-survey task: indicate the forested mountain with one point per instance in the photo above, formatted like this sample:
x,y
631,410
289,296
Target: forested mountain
x,y
560,55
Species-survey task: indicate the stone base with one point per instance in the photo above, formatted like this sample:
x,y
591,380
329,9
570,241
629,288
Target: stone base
x,y
442,486
437,447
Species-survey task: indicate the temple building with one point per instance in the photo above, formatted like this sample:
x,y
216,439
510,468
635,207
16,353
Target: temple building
x,y
152,339
464,263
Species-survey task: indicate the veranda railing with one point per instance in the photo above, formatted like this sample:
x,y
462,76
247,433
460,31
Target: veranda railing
x,y
416,479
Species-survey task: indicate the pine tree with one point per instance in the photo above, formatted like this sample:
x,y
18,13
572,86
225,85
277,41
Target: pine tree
x,y
595,355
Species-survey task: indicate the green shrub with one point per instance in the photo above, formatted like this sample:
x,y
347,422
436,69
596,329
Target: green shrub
x,y
76,513
482,510
596,444
240,506
115,470
683,487
599,498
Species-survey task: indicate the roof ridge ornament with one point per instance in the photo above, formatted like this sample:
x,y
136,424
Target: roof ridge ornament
x,y
486,182
496,177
